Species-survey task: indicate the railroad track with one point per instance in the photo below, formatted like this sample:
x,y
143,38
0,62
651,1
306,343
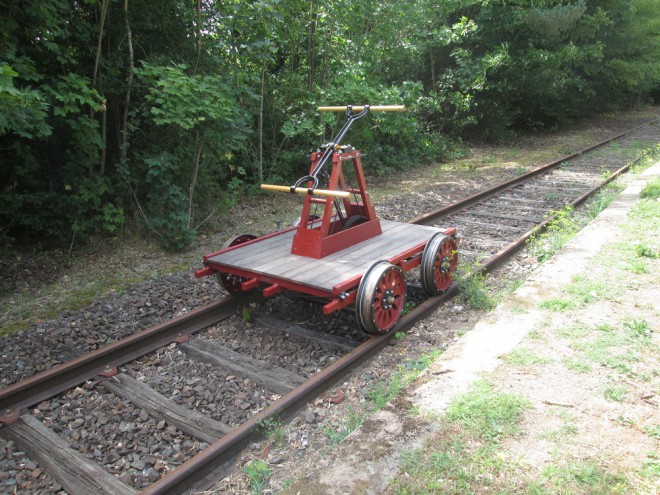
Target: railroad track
x,y
196,440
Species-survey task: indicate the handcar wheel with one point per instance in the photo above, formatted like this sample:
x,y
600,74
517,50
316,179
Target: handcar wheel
x,y
438,263
232,283
353,221
297,221
381,297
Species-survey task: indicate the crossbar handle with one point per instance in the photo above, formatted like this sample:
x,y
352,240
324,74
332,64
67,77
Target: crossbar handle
x,y
359,108
305,190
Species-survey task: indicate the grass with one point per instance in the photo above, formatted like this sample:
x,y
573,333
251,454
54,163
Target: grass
x,y
615,393
258,473
544,244
565,433
378,395
20,311
614,347
464,456
522,357
487,413
473,287
347,425
585,477
274,432
567,222
651,190
581,291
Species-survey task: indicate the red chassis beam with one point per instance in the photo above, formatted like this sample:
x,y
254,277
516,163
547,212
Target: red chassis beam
x,y
342,294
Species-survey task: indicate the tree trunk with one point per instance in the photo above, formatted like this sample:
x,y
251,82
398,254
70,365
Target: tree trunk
x,y
261,123
193,181
97,61
123,145
311,62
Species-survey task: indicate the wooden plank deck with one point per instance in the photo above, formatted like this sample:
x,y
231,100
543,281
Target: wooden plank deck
x,y
272,256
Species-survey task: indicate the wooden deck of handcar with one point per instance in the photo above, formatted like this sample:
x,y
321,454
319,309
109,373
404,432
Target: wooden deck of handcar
x,y
271,256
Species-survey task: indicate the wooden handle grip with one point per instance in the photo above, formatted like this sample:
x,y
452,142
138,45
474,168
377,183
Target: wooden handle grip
x,y
359,108
304,190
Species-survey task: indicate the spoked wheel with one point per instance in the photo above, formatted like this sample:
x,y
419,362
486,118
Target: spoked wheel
x,y
353,221
232,283
381,297
297,221
438,263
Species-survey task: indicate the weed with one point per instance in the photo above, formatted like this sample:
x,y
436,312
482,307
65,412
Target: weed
x,y
380,394
273,431
488,413
565,433
257,472
651,190
603,199
346,426
581,477
544,244
473,289
558,305
525,357
245,315
408,307
620,363
576,331
643,251
581,291
514,284
383,392
636,265
638,327
577,365
653,431
651,466
614,393
536,335
520,169
460,332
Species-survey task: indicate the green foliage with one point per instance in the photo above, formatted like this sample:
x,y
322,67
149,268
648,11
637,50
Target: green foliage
x,y
524,357
473,288
643,251
257,472
488,413
184,108
273,431
651,190
347,425
544,244
585,477
22,111
638,327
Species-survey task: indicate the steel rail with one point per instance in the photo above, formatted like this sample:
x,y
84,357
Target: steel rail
x,y
486,193
107,359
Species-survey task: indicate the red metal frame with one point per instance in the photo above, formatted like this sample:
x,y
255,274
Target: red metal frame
x,y
320,240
